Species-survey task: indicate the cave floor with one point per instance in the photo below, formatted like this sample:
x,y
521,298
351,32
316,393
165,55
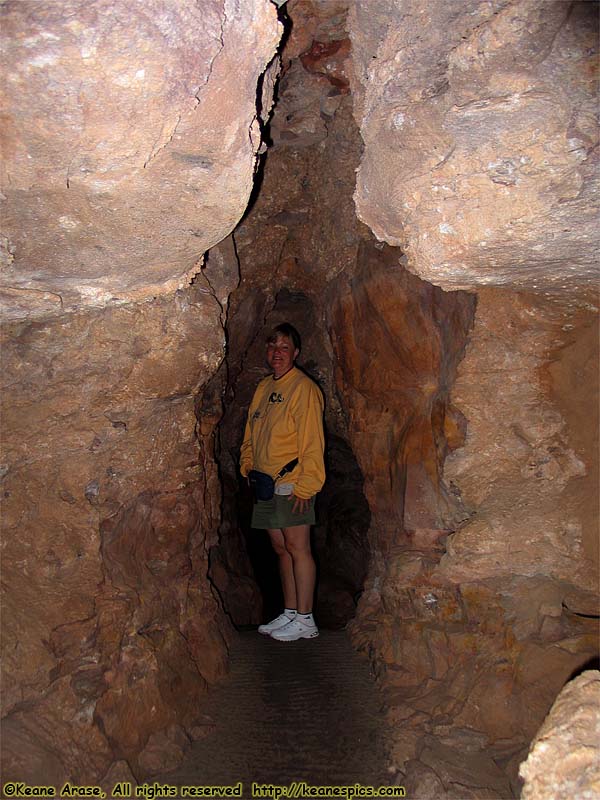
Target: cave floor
x,y
296,711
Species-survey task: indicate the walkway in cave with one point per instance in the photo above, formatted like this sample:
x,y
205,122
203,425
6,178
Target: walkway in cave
x,y
299,711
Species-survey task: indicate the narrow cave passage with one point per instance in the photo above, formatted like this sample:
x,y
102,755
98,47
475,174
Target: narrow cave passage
x,y
385,347
422,205
243,565
307,712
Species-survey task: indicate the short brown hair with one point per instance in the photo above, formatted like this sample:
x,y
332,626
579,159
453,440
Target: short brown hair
x,y
285,329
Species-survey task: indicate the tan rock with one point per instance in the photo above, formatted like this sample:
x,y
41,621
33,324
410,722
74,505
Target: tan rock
x,y
564,759
394,355
104,526
124,121
479,136
465,484
164,751
517,446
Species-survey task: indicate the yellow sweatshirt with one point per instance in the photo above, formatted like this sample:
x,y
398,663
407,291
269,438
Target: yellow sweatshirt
x,y
285,421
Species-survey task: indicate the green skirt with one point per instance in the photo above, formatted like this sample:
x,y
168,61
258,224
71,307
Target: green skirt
x,y
277,513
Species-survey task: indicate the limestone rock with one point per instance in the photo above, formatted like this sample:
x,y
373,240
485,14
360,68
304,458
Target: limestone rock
x,y
105,530
291,244
129,143
479,162
461,504
564,759
397,341
480,138
476,460
519,446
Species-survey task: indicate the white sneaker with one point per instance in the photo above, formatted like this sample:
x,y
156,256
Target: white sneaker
x,y
295,629
278,622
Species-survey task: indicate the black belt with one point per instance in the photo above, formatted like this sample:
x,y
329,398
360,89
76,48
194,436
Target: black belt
x,y
288,468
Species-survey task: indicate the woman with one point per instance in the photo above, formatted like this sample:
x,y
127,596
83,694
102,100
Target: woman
x,y
285,425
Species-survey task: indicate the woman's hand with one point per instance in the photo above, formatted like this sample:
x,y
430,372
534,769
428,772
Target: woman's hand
x,y
301,504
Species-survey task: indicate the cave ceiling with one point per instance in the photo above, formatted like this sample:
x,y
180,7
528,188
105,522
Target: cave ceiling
x,y
129,144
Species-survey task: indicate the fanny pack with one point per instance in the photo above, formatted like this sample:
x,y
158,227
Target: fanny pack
x,y
263,485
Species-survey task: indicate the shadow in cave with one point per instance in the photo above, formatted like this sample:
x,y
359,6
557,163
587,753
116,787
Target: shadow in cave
x,y
264,116
592,663
339,542
245,568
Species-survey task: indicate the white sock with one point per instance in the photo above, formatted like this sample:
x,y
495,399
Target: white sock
x,y
290,612
307,619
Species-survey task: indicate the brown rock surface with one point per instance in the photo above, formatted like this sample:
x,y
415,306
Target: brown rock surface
x,y
129,146
118,773
479,626
480,138
478,473
460,510
521,450
110,627
564,759
396,341
129,143
479,161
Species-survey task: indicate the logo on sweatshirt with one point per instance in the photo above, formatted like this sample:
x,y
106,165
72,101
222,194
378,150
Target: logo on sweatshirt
x,y
275,397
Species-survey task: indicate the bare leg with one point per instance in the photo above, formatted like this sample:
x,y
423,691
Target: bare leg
x,y
297,543
286,567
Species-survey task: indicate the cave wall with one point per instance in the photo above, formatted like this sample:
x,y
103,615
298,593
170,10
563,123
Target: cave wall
x,y
480,163
563,757
471,414
397,340
480,131
466,420
110,626
130,142
474,633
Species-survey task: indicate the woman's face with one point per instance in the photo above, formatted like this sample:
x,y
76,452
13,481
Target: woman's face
x,y
281,355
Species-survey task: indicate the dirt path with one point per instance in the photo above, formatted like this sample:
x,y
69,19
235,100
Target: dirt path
x,y
298,711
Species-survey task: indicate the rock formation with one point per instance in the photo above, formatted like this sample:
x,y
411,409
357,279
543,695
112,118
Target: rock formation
x,y
129,149
562,761
129,146
479,128
424,215
479,460
109,510
480,163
